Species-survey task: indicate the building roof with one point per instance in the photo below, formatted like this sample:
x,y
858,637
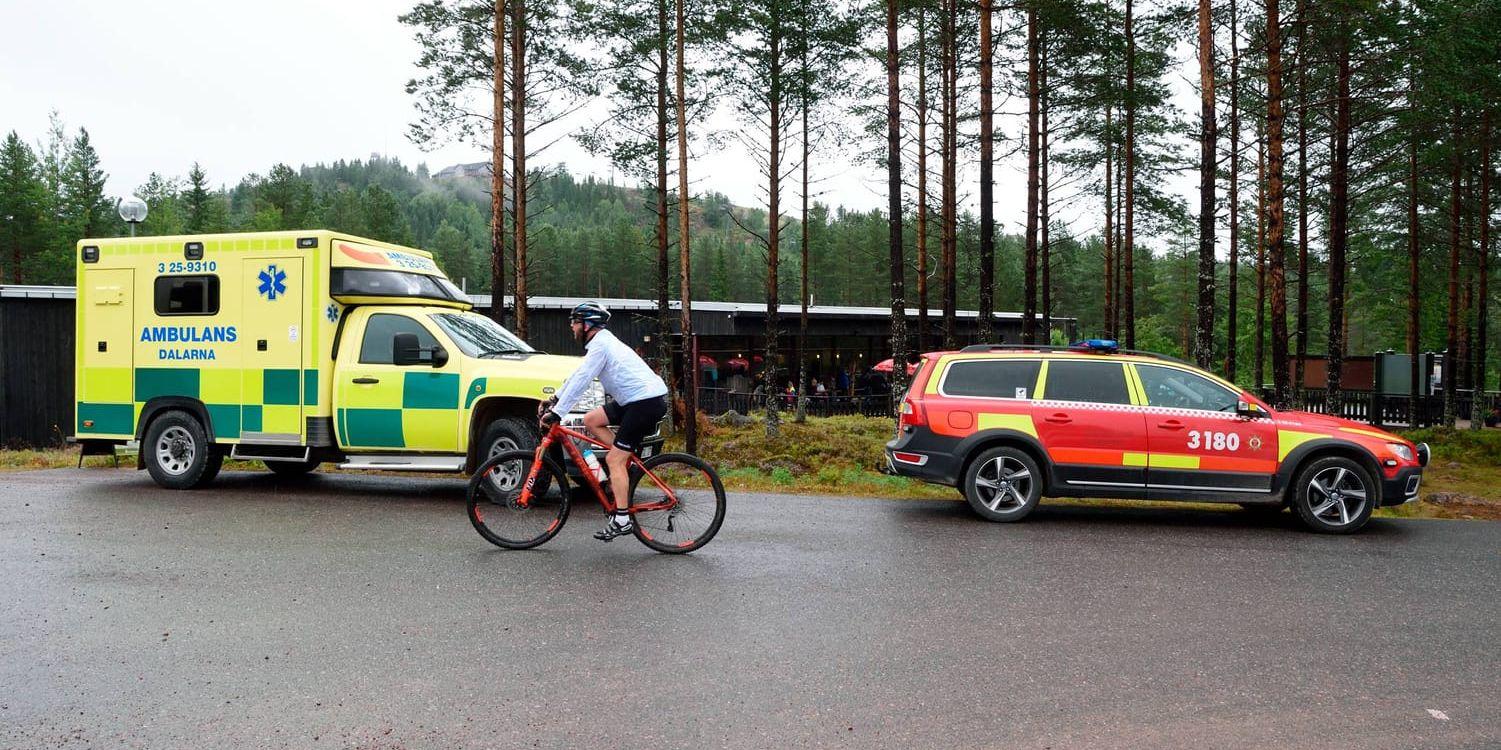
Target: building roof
x,y
613,303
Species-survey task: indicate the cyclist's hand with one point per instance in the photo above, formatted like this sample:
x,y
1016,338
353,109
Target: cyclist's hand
x,y
545,406
549,418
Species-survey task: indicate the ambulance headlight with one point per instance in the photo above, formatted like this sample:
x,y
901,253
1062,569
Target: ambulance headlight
x,y
592,399
1401,451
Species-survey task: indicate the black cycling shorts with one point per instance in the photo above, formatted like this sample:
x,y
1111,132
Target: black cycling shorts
x,y
635,421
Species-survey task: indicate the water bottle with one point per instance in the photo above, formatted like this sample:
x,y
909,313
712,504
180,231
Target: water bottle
x,y
594,465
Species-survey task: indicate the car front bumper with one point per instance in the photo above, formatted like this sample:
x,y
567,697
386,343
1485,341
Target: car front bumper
x,y
1403,488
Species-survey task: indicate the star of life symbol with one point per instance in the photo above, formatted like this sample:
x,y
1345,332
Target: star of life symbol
x,y
1255,443
273,282
331,312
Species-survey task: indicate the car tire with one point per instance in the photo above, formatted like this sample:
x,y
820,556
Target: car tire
x,y
177,453
292,469
1003,484
510,434
1334,495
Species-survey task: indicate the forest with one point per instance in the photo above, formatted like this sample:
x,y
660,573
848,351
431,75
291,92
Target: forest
x,y
1342,152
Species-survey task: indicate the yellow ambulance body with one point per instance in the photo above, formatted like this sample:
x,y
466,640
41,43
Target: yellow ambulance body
x,y
294,348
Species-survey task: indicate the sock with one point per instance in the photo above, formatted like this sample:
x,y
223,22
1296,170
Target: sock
x,y
622,518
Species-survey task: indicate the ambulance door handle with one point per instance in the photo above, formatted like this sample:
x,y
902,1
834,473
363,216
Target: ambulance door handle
x,y
1059,418
366,381
1171,424
260,345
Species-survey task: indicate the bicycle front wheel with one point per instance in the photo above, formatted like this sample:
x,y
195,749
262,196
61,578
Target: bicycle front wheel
x,y
678,504
495,506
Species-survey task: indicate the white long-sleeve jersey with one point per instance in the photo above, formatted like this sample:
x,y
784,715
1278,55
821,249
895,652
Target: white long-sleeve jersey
x,y
622,373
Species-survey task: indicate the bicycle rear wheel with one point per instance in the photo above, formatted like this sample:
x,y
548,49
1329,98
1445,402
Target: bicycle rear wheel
x,y
495,506
689,522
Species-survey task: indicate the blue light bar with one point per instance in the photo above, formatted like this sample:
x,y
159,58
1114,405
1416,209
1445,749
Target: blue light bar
x,y
1104,346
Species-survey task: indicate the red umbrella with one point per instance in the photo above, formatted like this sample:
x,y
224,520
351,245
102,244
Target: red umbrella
x,y
886,365
705,360
737,362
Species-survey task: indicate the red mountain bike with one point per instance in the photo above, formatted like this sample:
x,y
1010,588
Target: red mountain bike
x,y
519,499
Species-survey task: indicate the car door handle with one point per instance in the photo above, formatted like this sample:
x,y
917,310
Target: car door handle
x,y
1059,418
366,381
1171,424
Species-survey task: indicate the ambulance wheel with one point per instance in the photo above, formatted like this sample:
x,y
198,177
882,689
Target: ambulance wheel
x,y
177,452
1003,484
292,469
509,434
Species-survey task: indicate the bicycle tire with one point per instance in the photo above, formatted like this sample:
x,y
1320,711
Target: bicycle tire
x,y
701,504
492,506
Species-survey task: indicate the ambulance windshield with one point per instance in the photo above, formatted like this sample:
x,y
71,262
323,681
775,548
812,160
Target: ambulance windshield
x,y
480,336
362,282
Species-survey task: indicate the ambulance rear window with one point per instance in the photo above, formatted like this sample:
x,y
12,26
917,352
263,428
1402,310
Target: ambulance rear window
x,y
187,295
1002,378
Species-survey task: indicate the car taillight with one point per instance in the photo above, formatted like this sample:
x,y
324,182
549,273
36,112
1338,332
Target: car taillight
x,y
912,413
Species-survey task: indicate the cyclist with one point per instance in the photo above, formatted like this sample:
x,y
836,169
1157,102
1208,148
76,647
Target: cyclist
x,y
639,403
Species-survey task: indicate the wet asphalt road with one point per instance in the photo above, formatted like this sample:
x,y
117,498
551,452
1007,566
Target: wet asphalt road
x,y
364,611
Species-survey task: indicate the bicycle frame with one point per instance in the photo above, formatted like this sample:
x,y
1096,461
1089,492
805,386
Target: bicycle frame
x,y
606,500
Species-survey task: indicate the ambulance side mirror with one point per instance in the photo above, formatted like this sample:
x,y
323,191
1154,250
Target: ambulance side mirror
x,y
1249,410
405,351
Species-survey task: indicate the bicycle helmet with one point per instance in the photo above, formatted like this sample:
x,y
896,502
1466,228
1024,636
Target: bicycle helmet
x,y
590,313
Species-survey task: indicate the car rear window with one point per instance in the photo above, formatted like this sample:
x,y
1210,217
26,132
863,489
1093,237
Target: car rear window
x,y
992,378
1094,382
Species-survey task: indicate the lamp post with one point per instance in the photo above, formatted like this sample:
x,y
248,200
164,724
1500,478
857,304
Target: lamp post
x,y
133,211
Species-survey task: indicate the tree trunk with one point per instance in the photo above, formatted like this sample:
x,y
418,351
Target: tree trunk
x,y
802,323
498,173
1302,313
1339,225
1029,264
1232,309
1451,341
664,310
1477,415
1276,257
518,156
894,208
685,267
950,166
1045,246
773,238
1129,285
985,330
1108,143
1204,330
922,178
1259,349
1416,384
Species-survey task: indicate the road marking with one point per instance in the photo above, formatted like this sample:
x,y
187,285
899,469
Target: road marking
x,y
1437,714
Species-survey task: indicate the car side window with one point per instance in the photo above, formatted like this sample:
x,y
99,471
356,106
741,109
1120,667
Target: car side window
x,y
1172,388
1093,382
992,378
376,348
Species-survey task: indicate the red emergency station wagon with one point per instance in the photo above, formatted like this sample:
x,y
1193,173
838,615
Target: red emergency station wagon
x,y
1009,424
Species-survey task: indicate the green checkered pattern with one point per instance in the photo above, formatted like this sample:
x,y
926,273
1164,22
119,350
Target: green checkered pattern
x,y
426,420
238,401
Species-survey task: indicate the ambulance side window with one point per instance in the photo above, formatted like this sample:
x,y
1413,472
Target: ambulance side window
x,y
996,378
187,295
376,349
1092,382
1178,389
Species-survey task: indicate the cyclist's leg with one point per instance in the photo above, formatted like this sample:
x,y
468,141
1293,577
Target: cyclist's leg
x,y
598,422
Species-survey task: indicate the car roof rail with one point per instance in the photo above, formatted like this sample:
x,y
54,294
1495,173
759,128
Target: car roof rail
x,y
973,348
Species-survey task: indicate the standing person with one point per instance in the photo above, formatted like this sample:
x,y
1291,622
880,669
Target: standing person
x,y
639,403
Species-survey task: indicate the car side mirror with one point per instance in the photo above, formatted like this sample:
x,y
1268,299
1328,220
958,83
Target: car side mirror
x,y
1248,410
405,351
440,356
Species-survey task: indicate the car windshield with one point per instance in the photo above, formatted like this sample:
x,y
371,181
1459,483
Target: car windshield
x,y
480,336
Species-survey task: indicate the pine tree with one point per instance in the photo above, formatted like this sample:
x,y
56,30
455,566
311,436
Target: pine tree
x,y
22,209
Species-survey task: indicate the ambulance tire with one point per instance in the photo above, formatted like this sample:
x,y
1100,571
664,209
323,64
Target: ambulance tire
x,y
292,469
177,452
1327,487
508,434
1003,484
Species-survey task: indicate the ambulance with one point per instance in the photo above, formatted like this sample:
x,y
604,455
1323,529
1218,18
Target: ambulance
x,y
295,349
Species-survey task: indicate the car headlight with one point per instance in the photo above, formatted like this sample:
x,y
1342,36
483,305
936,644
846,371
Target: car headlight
x,y
1402,451
593,398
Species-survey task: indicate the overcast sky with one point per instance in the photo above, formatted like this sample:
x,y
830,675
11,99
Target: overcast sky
x,y
239,87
